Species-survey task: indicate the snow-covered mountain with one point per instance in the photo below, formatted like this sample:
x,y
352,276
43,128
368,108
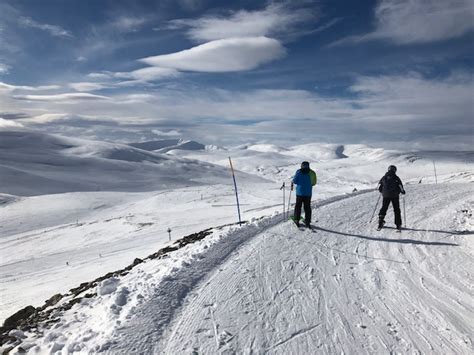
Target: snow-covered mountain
x,y
72,210
33,163
342,168
163,146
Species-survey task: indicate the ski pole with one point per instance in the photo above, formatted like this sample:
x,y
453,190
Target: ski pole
x,y
289,202
284,199
375,209
404,212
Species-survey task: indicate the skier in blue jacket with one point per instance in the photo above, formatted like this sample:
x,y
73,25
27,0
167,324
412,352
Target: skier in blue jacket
x,y
304,179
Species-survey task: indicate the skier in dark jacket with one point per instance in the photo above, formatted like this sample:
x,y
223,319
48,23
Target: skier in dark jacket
x,y
391,186
304,179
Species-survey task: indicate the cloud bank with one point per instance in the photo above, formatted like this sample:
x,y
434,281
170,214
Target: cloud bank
x,y
384,108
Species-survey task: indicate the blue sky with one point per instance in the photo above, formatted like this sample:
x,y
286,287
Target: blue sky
x,y
395,73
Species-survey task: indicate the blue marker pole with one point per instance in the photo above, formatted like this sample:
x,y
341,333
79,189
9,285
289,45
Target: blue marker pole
x,y
236,193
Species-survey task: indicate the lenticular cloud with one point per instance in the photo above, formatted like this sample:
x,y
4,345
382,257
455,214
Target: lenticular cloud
x,y
224,55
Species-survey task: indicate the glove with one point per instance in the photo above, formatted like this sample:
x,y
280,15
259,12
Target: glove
x,y
403,192
292,186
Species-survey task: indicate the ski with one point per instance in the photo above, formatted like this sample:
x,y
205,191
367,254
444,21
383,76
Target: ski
x,y
312,229
300,227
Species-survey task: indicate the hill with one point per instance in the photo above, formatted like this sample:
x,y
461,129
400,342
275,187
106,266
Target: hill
x,y
33,163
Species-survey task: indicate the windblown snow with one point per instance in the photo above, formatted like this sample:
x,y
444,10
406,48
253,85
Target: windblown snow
x,y
73,210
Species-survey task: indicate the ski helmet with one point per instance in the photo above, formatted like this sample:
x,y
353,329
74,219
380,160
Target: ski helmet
x,y
305,164
392,168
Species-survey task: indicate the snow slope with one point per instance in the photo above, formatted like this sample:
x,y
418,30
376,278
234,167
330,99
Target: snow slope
x,y
341,168
163,146
51,243
267,287
33,163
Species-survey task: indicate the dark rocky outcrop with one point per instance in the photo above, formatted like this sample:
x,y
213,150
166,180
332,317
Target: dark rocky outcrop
x,y
14,320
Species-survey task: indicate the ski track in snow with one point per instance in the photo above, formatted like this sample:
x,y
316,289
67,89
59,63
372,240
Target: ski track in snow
x,y
341,288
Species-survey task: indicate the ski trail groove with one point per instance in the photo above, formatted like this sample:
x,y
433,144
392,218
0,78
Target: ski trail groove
x,y
344,289
293,336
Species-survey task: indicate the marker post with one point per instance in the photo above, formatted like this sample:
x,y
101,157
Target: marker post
x,y
235,187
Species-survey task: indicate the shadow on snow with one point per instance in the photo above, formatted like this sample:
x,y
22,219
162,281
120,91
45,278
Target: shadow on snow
x,y
402,241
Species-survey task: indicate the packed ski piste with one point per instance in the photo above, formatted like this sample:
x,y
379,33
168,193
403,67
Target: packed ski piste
x,y
326,278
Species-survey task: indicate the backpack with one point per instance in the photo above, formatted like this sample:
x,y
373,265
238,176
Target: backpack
x,y
390,185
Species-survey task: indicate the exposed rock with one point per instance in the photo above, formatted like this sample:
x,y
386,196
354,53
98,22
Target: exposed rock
x,y
52,301
137,261
15,320
193,237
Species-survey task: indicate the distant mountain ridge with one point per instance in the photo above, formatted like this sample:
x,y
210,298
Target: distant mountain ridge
x,y
155,145
164,146
34,163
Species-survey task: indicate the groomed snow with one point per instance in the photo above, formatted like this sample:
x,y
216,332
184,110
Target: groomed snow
x,y
268,287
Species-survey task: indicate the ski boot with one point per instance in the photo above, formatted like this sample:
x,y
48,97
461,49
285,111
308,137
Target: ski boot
x,y
381,224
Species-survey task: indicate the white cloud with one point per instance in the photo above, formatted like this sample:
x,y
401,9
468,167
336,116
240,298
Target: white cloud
x,y
137,77
419,21
4,69
66,97
411,98
124,23
47,118
171,133
87,86
11,42
225,55
274,20
9,124
148,74
136,99
9,88
101,76
53,30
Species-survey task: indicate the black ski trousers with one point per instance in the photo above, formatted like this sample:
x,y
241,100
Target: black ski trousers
x,y
306,201
396,209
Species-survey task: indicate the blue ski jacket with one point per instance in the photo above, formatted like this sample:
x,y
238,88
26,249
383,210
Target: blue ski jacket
x,y
304,181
